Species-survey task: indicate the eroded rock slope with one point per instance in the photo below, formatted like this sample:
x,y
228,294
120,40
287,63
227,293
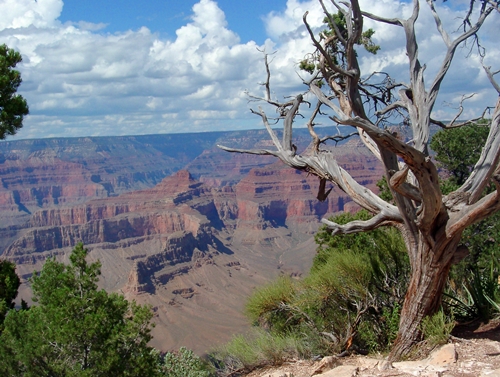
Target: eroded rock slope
x,y
193,244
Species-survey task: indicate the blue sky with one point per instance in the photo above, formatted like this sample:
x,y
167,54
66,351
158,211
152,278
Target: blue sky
x,y
123,67
245,17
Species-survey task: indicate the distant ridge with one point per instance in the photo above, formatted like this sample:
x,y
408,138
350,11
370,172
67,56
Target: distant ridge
x,y
176,222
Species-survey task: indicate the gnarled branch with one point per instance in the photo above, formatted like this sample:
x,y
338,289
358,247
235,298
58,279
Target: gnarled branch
x,y
357,226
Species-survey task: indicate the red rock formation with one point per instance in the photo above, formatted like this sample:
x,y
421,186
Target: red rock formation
x,y
266,197
219,235
160,210
138,279
282,195
53,172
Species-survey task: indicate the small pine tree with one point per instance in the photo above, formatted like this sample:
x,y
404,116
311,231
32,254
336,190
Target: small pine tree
x,y
75,329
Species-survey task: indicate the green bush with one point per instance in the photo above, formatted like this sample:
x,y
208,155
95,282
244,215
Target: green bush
x,y
265,307
391,322
350,300
351,297
184,363
436,329
478,296
379,335
257,348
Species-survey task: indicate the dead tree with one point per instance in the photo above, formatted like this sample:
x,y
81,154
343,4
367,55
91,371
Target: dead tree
x,y
431,223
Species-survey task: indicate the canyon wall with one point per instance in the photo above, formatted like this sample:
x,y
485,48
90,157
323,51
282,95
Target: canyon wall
x,y
189,230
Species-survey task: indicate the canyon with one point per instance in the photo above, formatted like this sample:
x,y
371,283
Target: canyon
x,y
177,223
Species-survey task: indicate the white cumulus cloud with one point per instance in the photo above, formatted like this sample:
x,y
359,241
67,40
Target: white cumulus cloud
x,y
80,80
24,13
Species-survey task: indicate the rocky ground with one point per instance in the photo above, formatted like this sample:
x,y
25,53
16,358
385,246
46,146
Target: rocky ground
x,y
473,351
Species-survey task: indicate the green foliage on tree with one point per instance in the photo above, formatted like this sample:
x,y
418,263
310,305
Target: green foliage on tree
x,y
76,329
13,107
338,21
384,191
9,284
351,298
334,46
457,151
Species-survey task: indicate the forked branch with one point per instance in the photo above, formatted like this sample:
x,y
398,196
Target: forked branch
x,y
489,160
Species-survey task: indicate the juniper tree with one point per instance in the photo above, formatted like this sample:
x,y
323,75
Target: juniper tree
x,y
430,222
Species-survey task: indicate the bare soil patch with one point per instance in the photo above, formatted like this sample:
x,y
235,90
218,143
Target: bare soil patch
x,y
476,347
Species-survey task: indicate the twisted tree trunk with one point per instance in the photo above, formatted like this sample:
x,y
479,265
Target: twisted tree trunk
x,y
423,298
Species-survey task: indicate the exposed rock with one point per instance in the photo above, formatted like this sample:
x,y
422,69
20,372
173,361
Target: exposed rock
x,y
437,362
236,223
278,374
445,355
368,363
184,292
417,368
490,373
138,214
341,371
137,279
473,359
326,364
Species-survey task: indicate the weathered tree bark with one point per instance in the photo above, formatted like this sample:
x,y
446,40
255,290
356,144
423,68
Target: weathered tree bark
x,y
431,224
423,297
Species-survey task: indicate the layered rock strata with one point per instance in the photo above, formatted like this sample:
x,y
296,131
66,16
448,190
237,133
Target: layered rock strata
x,y
191,248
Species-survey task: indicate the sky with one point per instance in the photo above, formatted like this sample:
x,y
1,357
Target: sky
x,y
124,67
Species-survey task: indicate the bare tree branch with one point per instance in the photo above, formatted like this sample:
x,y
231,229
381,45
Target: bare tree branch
x,y
338,138
494,4
264,152
267,87
460,109
391,107
287,130
310,126
491,76
488,161
318,45
271,132
434,89
399,184
455,124
478,211
266,84
358,226
390,21
437,19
